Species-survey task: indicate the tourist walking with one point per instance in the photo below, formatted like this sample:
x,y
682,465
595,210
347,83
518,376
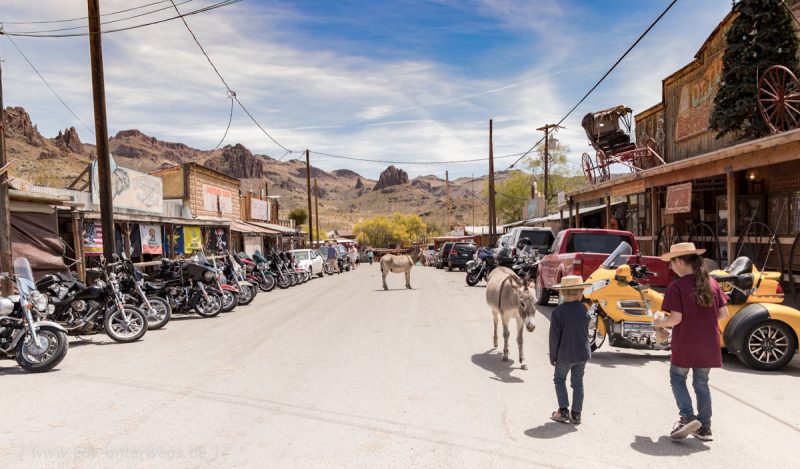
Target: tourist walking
x,y
370,256
569,347
332,256
696,303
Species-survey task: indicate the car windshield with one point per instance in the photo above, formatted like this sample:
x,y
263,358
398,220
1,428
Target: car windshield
x,y
24,275
301,255
619,257
602,243
539,239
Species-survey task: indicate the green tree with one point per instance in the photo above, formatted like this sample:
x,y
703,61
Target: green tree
x,y
381,231
562,175
762,35
299,215
511,196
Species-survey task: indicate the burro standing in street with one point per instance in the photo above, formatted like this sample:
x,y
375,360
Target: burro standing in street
x,y
696,303
569,347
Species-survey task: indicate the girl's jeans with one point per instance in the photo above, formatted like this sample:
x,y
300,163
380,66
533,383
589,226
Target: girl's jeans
x,y
677,377
575,371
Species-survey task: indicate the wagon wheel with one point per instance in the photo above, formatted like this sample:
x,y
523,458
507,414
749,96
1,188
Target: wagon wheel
x,y
779,98
794,262
755,243
588,168
603,173
704,237
667,237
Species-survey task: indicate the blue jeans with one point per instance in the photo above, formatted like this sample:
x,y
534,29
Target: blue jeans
x,y
575,371
677,378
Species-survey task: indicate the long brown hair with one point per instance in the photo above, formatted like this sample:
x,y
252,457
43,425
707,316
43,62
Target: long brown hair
x,y
702,283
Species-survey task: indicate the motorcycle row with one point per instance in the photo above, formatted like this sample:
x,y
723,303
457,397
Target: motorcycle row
x,y
760,330
124,303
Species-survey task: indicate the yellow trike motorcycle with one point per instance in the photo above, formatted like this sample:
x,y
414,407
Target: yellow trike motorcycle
x,y
759,330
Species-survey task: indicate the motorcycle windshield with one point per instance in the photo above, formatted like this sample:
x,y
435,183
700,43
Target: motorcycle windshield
x,y
24,275
619,257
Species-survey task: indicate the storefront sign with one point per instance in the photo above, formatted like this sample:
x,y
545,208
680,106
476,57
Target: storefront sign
x,y
131,189
458,231
697,101
259,209
679,198
192,239
216,199
151,239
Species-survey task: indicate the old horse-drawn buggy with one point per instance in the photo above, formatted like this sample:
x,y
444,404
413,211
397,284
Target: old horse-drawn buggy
x,y
609,132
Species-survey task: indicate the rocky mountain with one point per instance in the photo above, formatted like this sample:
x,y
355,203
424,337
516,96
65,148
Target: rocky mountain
x,y
345,197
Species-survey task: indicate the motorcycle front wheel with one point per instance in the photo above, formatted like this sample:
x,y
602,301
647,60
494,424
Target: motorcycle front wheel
x,y
208,308
247,295
267,283
161,314
283,282
52,348
292,279
128,325
473,278
229,300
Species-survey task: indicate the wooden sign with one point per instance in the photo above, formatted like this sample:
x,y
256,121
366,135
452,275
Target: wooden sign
x,y
679,198
697,100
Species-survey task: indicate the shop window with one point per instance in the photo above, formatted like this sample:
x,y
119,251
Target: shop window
x,y
780,211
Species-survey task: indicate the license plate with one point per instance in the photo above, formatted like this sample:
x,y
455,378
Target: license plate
x,y
464,254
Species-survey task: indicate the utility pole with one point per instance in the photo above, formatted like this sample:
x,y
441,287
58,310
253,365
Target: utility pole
x,y
5,226
447,191
473,201
316,209
101,130
492,214
308,190
546,129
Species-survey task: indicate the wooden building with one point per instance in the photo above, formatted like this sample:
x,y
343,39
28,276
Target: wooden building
x,y
726,194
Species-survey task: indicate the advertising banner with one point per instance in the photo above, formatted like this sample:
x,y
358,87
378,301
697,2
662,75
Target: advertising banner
x,y
217,240
151,239
192,239
216,199
92,239
259,209
131,189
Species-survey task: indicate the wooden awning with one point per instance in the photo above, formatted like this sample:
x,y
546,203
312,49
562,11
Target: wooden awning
x,y
764,151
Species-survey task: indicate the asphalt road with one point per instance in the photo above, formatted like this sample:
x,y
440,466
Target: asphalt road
x,y
339,373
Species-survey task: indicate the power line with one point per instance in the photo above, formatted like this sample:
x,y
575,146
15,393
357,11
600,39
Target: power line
x,y
72,28
86,17
230,119
128,28
91,131
230,91
369,160
605,75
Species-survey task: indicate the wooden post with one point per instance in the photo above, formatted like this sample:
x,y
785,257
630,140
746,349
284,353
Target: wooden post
x,y
608,212
492,214
731,198
655,219
77,243
447,192
308,193
101,129
577,214
316,210
126,237
5,204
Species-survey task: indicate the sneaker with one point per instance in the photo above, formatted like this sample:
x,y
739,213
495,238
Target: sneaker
x,y
684,427
561,415
704,433
575,417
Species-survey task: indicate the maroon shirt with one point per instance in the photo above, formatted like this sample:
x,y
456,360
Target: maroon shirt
x,y
695,341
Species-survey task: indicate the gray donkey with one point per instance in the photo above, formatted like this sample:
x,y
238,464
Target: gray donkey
x,y
510,297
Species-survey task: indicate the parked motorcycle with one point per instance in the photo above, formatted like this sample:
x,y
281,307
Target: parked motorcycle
x,y
184,286
35,344
98,308
760,331
235,273
265,277
480,267
131,284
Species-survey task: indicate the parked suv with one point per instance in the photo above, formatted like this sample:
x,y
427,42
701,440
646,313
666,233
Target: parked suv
x,y
444,252
460,254
540,238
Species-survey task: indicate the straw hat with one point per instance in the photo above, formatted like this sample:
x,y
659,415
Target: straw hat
x,y
571,282
681,249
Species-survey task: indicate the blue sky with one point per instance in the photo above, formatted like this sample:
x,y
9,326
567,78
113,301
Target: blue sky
x,y
402,80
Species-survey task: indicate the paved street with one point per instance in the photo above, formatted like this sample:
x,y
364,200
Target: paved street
x,y
339,373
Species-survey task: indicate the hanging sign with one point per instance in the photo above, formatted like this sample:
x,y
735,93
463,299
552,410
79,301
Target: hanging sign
x,y
151,239
217,240
131,189
679,198
192,239
92,239
216,199
259,209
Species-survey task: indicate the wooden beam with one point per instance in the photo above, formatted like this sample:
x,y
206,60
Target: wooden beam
x,y
77,244
577,214
655,219
608,212
731,198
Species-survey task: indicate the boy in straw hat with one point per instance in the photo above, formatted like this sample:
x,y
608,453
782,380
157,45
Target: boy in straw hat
x,y
569,347
696,303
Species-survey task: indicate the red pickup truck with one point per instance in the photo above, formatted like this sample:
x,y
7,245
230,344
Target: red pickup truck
x,y
580,251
